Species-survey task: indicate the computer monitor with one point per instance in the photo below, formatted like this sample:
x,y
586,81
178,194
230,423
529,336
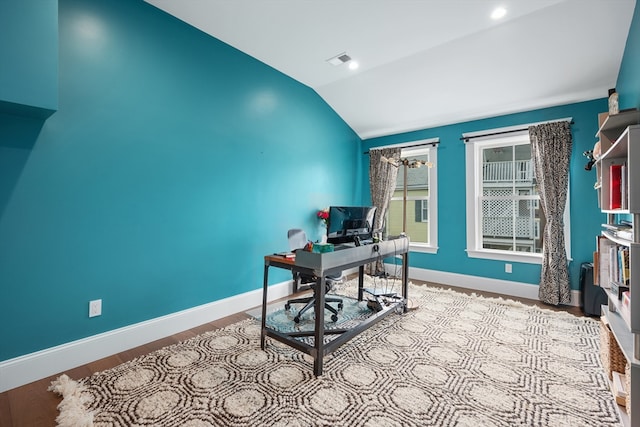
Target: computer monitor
x,y
347,222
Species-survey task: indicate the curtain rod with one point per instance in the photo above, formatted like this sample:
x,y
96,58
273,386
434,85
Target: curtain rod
x,y
482,135
433,143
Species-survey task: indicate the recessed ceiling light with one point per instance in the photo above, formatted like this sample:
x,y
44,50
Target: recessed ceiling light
x,y
498,12
353,65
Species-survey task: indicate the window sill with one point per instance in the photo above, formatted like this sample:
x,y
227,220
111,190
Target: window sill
x,y
502,256
425,249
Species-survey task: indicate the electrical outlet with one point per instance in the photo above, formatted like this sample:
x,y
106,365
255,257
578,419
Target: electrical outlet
x,y
507,268
95,308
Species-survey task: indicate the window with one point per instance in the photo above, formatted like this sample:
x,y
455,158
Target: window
x,y
422,210
504,216
421,202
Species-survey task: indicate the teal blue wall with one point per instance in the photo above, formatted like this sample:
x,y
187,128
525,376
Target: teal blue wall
x,y
585,214
628,85
29,52
173,165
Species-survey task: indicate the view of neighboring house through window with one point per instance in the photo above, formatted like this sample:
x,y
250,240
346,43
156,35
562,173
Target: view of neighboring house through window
x,y
504,216
421,215
511,211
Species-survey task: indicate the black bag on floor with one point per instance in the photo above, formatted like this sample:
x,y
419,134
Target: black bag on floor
x,y
591,296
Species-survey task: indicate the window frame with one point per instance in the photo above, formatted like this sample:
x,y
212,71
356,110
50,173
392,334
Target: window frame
x,y
474,164
421,148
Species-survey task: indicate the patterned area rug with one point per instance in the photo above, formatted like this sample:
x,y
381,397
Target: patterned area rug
x,y
456,360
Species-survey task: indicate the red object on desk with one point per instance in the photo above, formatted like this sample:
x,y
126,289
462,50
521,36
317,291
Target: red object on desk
x,y
615,187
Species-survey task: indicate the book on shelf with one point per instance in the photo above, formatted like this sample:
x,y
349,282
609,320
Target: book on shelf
x,y
615,187
623,230
616,267
288,255
596,266
626,299
619,289
625,234
625,313
603,277
623,258
614,287
619,386
623,187
622,225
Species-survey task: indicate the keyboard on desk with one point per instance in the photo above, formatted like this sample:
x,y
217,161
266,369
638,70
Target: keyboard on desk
x,y
344,246
352,245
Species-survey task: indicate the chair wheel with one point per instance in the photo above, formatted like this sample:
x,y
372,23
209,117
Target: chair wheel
x,y
340,306
287,306
296,319
334,317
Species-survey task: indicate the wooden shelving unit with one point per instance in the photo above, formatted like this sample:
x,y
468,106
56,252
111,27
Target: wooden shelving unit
x,y
620,143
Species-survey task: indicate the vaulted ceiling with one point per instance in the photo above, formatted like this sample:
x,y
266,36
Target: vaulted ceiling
x,y
425,63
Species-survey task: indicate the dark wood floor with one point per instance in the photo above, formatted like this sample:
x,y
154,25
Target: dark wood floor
x,y
33,406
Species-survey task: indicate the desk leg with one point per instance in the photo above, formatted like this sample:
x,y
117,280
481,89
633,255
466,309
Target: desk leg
x,y
360,283
405,280
296,282
319,332
265,286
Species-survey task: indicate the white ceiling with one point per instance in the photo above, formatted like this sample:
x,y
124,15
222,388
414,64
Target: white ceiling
x,y
425,63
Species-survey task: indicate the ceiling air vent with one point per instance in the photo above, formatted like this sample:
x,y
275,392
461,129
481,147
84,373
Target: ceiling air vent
x,y
339,59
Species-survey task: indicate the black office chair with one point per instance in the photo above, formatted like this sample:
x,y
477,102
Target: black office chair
x,y
297,241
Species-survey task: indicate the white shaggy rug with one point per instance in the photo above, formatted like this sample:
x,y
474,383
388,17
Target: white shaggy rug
x,y
456,360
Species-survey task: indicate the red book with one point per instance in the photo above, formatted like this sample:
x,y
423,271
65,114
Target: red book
x,y
615,187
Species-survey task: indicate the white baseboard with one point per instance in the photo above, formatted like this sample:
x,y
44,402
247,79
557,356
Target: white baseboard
x,y
41,364
504,287
35,366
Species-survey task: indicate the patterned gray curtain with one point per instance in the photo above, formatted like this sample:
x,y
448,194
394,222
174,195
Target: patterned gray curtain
x,y
382,180
551,151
